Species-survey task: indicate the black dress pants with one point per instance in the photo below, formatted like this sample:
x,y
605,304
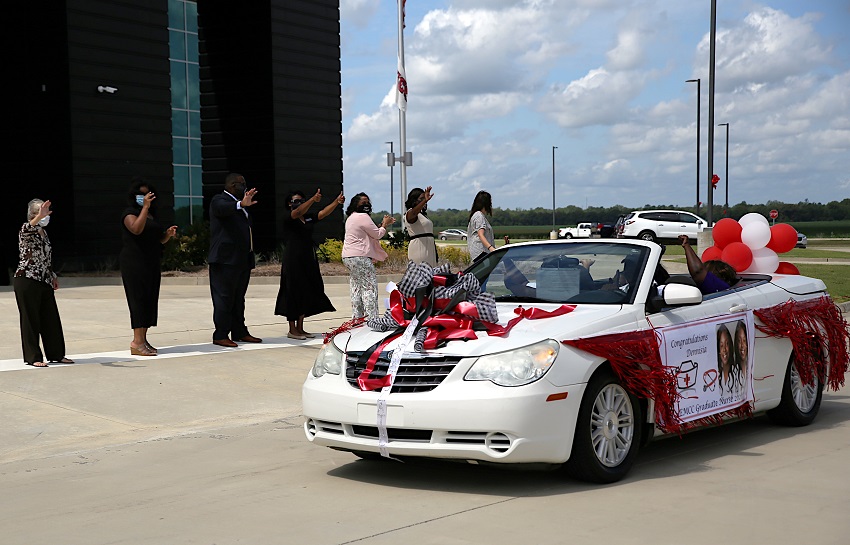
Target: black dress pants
x,y
39,318
228,286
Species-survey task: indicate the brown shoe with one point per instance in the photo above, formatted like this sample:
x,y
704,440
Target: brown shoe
x,y
141,351
250,339
227,343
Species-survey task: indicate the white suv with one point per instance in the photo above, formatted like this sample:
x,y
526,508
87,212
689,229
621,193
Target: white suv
x,y
661,224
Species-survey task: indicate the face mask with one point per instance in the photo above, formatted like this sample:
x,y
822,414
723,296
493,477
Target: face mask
x,y
140,200
44,221
365,208
296,203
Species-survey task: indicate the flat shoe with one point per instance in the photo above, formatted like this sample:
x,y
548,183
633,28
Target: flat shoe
x,y
38,364
250,339
296,336
141,351
63,360
225,342
309,335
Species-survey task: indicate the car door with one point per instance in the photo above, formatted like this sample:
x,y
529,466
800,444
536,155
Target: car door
x,y
689,225
667,224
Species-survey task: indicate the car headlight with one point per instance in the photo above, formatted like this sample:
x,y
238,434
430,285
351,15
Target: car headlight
x,y
515,367
329,360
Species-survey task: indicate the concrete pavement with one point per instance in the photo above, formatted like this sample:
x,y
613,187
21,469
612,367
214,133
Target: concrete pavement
x,y
205,445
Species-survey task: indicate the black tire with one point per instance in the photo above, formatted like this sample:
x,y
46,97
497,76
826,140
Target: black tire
x,y
443,237
568,236
648,236
800,402
463,238
608,432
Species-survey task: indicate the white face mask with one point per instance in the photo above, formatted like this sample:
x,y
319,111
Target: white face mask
x,y
44,221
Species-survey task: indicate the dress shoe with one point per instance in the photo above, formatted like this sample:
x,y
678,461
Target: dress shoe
x,y
227,343
250,339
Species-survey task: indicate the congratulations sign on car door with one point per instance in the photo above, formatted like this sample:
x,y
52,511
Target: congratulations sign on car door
x,y
714,363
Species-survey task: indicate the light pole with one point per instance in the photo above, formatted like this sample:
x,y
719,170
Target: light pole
x,y
711,57
726,205
391,163
554,229
697,81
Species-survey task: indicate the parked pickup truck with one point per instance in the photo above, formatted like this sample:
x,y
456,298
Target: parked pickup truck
x,y
582,230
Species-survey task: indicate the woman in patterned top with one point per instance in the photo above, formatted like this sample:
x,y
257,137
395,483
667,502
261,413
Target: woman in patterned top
x,y
34,285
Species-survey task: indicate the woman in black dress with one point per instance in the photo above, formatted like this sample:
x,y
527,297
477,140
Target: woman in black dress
x,y
302,292
140,258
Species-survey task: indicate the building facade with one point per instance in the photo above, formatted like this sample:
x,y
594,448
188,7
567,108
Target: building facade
x,y
178,92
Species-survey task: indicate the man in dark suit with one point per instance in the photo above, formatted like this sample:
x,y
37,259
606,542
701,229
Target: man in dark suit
x,y
231,260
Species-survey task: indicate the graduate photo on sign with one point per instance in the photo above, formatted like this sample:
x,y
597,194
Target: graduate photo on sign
x,y
712,362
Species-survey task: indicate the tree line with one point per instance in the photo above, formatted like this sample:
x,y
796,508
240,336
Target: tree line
x,y
571,215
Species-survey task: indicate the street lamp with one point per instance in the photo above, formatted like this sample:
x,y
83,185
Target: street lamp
x,y
711,67
391,163
697,81
554,229
726,205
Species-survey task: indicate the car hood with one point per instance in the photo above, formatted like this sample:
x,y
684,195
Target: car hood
x,y
583,321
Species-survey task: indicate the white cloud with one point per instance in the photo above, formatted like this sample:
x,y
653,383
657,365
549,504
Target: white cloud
x,y
358,12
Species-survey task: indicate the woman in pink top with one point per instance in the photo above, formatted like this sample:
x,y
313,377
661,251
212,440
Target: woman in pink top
x,y
360,250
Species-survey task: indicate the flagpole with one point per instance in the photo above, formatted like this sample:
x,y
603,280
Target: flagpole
x,y
402,112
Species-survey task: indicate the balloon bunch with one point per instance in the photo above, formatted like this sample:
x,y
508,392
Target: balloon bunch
x,y
751,245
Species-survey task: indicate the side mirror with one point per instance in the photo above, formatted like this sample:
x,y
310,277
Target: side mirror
x,y
699,222
674,295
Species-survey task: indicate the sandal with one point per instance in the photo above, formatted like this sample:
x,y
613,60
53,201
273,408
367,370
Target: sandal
x,y
151,347
38,364
141,351
308,335
63,360
296,336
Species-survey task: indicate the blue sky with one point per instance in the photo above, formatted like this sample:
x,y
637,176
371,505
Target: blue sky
x,y
494,84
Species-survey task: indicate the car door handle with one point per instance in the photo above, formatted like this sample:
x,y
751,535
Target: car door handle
x,y
737,308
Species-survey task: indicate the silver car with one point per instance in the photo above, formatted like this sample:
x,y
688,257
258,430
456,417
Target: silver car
x,y
452,234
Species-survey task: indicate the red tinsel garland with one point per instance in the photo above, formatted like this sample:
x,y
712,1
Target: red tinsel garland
x,y
816,329
346,326
635,359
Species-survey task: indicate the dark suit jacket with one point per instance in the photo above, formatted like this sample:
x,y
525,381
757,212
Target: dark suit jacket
x,y
230,233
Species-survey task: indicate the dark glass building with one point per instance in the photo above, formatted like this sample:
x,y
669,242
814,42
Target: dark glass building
x,y
178,92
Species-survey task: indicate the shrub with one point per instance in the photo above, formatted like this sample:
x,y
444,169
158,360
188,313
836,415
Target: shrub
x,y
457,257
330,251
187,250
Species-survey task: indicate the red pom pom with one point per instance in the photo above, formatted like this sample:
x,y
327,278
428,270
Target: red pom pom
x,y
711,253
787,268
783,238
725,232
738,255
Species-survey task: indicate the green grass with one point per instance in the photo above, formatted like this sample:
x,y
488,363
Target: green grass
x,y
835,277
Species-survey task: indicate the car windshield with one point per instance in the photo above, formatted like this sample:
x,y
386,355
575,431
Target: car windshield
x,y
583,272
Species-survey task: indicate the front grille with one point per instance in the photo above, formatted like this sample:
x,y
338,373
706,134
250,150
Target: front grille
x,y
415,374
394,434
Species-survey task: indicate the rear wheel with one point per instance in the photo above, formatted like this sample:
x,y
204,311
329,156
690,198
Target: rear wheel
x,y
800,402
442,237
568,235
649,236
608,432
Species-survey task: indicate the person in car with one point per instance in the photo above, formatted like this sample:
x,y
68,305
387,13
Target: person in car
x,y
711,276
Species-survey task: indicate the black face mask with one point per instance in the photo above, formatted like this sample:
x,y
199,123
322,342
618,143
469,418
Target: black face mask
x,y
365,208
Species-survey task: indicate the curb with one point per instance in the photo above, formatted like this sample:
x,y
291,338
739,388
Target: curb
x,y
86,282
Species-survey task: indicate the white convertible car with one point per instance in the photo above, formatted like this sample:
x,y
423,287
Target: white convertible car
x,y
592,349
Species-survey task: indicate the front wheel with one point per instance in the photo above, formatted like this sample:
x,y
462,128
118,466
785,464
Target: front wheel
x,y
648,236
568,236
800,402
608,432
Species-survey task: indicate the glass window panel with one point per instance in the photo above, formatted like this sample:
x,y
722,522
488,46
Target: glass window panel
x,y
194,151
197,210
193,88
175,15
182,211
197,181
195,124
179,123
178,85
177,45
192,47
180,148
191,16
181,181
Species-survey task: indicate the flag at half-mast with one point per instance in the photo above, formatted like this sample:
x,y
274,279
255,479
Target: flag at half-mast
x,y
401,77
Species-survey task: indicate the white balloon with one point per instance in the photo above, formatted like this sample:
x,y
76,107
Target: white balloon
x,y
765,261
755,235
752,217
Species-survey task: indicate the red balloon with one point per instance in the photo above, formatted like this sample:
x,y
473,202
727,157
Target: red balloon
x,y
787,268
739,255
726,231
711,253
783,238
